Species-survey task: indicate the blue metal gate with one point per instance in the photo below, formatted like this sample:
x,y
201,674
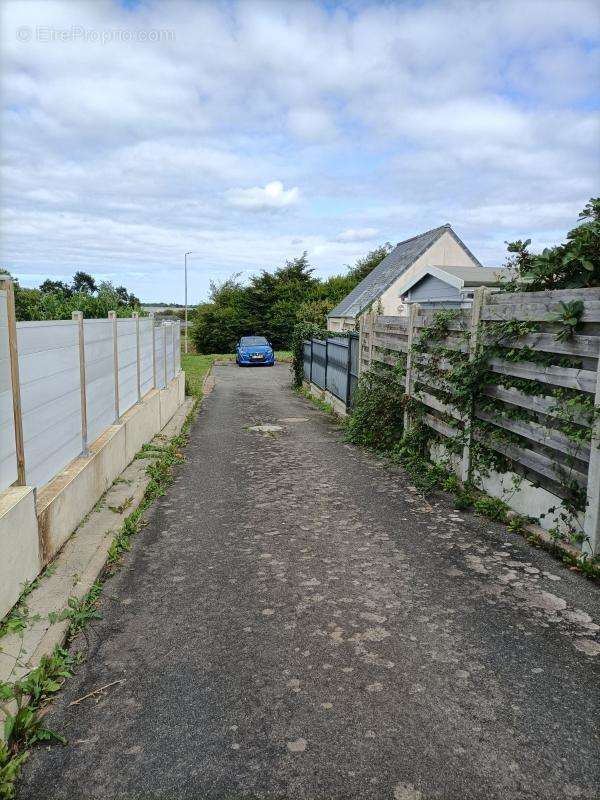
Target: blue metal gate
x,y
332,364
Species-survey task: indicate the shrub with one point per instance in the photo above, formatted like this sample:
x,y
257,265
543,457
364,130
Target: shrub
x,y
491,507
302,331
377,419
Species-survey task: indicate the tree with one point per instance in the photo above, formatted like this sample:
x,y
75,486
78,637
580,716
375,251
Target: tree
x,y
368,263
55,287
273,302
82,282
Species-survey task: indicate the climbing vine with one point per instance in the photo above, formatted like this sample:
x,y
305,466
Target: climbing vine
x,y
452,380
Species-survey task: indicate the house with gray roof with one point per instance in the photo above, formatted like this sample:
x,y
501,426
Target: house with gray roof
x,y
381,290
449,287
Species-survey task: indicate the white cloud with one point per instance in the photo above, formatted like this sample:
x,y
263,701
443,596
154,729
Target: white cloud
x,y
392,117
271,196
357,235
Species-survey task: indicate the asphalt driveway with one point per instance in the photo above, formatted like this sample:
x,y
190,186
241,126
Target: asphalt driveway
x,y
296,622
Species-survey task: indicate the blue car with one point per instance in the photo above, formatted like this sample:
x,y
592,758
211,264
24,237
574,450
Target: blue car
x,y
254,351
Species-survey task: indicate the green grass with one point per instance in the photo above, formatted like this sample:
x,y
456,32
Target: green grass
x,y
196,367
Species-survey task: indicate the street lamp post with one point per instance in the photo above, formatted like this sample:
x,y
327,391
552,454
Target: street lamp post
x,y
189,253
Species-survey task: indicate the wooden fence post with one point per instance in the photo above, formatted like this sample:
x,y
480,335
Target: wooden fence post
x,y
77,316
591,526
151,315
371,318
112,315
13,357
138,363
479,298
412,314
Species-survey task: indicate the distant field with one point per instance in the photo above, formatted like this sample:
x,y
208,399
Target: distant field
x,y
196,367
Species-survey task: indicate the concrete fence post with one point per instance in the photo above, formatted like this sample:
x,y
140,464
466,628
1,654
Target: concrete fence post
x,y
13,357
77,316
138,355
479,299
166,372
174,346
151,315
591,526
409,384
112,315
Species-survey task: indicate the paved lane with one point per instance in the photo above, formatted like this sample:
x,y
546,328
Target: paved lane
x,y
296,622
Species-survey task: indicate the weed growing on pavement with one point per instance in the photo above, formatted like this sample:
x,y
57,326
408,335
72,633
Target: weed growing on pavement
x,y
492,508
79,612
21,703
322,404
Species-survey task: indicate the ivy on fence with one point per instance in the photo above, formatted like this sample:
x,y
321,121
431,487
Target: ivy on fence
x,y
491,396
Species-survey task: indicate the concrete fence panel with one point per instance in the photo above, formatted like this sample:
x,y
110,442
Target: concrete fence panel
x,y
127,342
99,374
159,334
50,396
146,365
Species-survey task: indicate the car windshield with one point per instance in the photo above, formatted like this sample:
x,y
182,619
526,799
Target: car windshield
x,y
253,341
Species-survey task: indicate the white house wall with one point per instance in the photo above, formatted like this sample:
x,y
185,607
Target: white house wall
x,y
445,252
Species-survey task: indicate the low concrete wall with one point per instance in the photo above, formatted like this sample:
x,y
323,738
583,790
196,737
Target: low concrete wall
x,y
34,528
519,494
322,394
19,544
171,398
139,420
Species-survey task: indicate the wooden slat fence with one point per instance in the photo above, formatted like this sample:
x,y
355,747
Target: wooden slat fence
x,y
531,413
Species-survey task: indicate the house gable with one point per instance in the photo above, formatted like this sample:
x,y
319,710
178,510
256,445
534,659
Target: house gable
x,y
440,245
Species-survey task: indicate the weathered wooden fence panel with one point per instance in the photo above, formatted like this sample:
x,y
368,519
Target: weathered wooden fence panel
x,y
533,386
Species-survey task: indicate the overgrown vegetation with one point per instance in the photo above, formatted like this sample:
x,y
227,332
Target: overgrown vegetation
x,y
272,303
57,300
574,264
377,417
22,703
301,332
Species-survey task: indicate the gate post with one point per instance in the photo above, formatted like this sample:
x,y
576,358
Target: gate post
x,y
348,371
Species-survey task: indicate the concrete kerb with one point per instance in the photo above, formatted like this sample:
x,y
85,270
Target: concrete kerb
x,y
79,563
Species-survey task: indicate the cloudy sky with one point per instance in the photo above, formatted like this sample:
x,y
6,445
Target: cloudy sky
x,y
248,132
